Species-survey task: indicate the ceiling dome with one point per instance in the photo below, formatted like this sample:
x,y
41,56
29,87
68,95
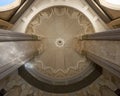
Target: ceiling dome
x,y
60,27
60,60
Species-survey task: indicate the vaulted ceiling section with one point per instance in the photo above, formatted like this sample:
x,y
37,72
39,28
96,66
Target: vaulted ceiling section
x,y
8,18
109,16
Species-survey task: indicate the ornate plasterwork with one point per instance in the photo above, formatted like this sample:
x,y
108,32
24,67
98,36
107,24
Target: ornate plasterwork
x,y
16,86
66,24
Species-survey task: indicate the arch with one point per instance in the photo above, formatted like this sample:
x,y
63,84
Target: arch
x,y
77,83
9,4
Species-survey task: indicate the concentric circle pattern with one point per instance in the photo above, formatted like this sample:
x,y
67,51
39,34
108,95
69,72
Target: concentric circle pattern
x,y
60,57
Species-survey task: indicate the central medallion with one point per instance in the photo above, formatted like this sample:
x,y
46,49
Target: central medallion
x,y
59,42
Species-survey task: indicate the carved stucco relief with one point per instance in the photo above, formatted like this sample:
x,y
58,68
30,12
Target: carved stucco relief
x,y
60,57
16,86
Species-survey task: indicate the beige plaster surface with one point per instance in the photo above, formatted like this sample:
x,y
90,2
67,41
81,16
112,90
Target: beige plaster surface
x,y
64,25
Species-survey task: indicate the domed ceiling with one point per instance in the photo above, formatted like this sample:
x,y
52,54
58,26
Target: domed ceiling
x,y
60,27
60,57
